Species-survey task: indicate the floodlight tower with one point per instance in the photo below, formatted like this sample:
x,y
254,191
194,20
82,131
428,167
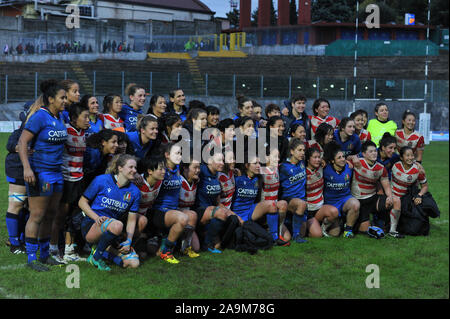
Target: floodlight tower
x,y
233,5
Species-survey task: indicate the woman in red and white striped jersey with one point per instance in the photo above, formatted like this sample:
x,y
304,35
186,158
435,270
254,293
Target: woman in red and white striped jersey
x,y
72,170
149,184
408,136
405,173
270,186
324,135
226,180
320,217
112,105
359,117
321,109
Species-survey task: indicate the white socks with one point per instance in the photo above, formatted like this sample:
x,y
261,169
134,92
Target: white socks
x,y
394,216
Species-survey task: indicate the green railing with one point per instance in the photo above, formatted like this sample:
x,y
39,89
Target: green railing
x,y
15,87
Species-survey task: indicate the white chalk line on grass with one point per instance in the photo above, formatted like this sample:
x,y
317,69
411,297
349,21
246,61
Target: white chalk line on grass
x,y
439,222
3,291
12,267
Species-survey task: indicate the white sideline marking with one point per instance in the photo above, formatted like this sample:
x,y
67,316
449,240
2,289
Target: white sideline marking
x,y
9,296
438,222
12,267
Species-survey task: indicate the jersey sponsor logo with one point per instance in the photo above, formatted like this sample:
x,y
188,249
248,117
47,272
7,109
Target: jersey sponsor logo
x,y
62,133
132,119
113,204
172,184
297,177
213,188
247,192
338,186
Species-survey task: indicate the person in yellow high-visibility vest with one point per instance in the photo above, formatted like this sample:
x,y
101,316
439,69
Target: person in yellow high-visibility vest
x,y
381,123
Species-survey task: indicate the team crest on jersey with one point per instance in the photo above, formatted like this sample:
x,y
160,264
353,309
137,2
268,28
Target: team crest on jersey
x,y
318,174
347,177
350,146
410,144
409,178
127,197
301,166
54,123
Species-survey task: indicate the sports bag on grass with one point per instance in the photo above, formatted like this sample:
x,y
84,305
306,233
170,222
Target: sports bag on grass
x,y
414,219
251,236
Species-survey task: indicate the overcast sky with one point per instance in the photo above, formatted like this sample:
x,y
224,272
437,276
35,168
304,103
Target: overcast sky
x,y
221,7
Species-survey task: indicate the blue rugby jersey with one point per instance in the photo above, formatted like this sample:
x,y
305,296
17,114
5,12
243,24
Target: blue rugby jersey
x,y
94,127
169,193
208,188
139,149
336,186
292,180
388,163
350,147
108,199
50,135
245,195
129,117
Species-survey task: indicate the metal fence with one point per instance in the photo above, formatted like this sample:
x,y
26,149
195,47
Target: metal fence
x,y
14,87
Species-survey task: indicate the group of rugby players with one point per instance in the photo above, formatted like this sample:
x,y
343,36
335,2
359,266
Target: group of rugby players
x,y
123,184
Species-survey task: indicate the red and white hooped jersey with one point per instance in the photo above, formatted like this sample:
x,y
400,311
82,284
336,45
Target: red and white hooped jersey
x,y
187,194
364,136
271,183
111,122
148,196
415,140
365,179
316,145
402,178
228,186
314,188
74,149
316,121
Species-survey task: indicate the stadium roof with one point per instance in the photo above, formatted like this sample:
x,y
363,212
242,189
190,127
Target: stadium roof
x,y
185,5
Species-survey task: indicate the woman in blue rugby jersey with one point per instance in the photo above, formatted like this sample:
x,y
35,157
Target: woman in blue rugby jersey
x,y
207,203
130,112
293,190
107,199
42,171
166,215
145,136
346,137
337,176
246,202
95,123
72,89
100,148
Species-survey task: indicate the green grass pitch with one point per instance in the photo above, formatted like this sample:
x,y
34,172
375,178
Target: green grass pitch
x,y
415,267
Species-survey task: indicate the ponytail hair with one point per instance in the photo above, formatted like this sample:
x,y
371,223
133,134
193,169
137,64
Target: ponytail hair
x,y
387,139
404,149
241,99
95,140
406,114
143,120
75,110
119,161
35,107
330,151
50,88
108,100
309,152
